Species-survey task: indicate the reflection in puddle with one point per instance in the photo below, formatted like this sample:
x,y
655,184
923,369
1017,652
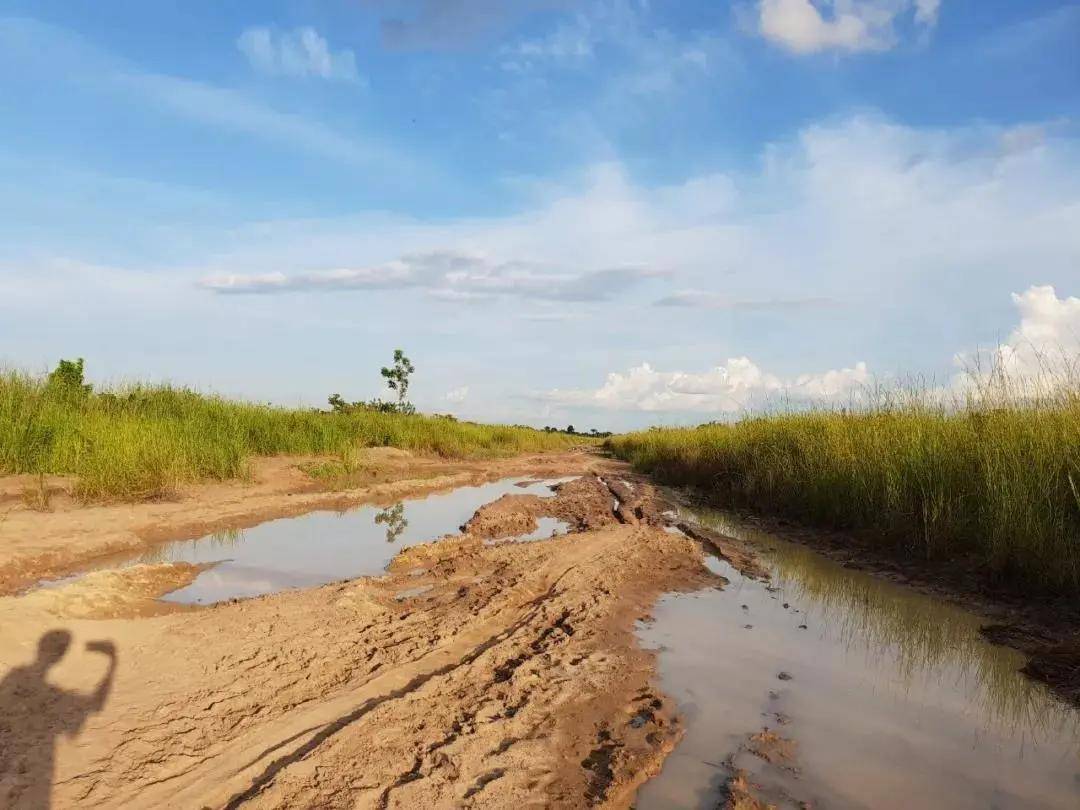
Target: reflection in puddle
x,y
393,517
894,701
546,528
319,547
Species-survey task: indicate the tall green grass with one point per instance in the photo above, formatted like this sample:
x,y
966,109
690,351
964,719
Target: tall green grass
x,y
991,480
144,441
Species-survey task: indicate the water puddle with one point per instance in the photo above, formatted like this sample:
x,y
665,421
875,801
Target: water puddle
x,y
891,698
318,547
546,528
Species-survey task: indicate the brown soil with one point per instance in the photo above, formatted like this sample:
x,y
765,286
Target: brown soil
x,y
514,680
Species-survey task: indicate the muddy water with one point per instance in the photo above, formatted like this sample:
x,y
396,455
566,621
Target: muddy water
x,y
893,699
320,547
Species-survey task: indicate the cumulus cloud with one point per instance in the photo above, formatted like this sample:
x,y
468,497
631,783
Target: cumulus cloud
x,y
1042,352
733,386
448,275
457,395
302,52
813,26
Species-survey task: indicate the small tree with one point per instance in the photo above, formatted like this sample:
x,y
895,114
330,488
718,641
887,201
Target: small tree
x,y
68,377
397,378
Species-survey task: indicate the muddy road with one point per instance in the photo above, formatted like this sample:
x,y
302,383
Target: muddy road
x,y
425,634
477,671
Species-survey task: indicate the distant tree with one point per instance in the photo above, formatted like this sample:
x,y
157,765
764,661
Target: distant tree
x,y
68,377
570,429
397,378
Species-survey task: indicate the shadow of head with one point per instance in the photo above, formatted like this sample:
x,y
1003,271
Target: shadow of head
x,y
52,646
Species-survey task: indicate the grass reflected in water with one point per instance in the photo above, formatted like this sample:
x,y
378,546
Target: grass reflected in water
x,y
911,636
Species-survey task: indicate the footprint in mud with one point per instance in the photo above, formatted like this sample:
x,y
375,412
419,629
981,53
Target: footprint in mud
x,y
598,764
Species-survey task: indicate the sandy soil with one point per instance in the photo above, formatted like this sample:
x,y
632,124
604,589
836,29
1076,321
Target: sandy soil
x,y
514,680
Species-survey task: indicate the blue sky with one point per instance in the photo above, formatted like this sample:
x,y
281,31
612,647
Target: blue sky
x,y
608,213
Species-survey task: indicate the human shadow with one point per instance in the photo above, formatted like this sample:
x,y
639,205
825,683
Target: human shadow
x,y
34,712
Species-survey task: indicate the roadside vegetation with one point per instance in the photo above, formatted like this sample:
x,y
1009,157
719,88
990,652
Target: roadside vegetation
x,y
992,478
144,441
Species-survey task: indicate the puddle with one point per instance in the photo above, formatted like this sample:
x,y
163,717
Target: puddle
x,y
546,528
893,699
318,547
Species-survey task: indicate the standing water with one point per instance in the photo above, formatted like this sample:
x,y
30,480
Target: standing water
x,y
320,547
889,698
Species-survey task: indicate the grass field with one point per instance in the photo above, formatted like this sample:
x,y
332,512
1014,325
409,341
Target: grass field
x,y
144,441
997,485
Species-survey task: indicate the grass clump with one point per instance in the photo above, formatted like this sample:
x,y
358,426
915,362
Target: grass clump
x,y
992,480
144,441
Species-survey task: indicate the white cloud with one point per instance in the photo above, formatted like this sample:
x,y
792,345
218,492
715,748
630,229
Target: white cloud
x,y
728,388
74,58
299,53
457,395
1042,352
809,26
448,275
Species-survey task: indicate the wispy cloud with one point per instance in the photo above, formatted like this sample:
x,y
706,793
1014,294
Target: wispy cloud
x,y
447,275
650,59
70,57
230,110
302,52
700,299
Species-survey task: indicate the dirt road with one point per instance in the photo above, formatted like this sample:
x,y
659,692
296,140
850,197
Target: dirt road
x,y
513,680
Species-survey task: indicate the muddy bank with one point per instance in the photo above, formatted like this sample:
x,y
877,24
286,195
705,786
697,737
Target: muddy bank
x,y
471,674
1047,630
46,544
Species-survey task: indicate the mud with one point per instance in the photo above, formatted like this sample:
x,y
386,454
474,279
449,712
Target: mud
x,y
469,675
476,671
